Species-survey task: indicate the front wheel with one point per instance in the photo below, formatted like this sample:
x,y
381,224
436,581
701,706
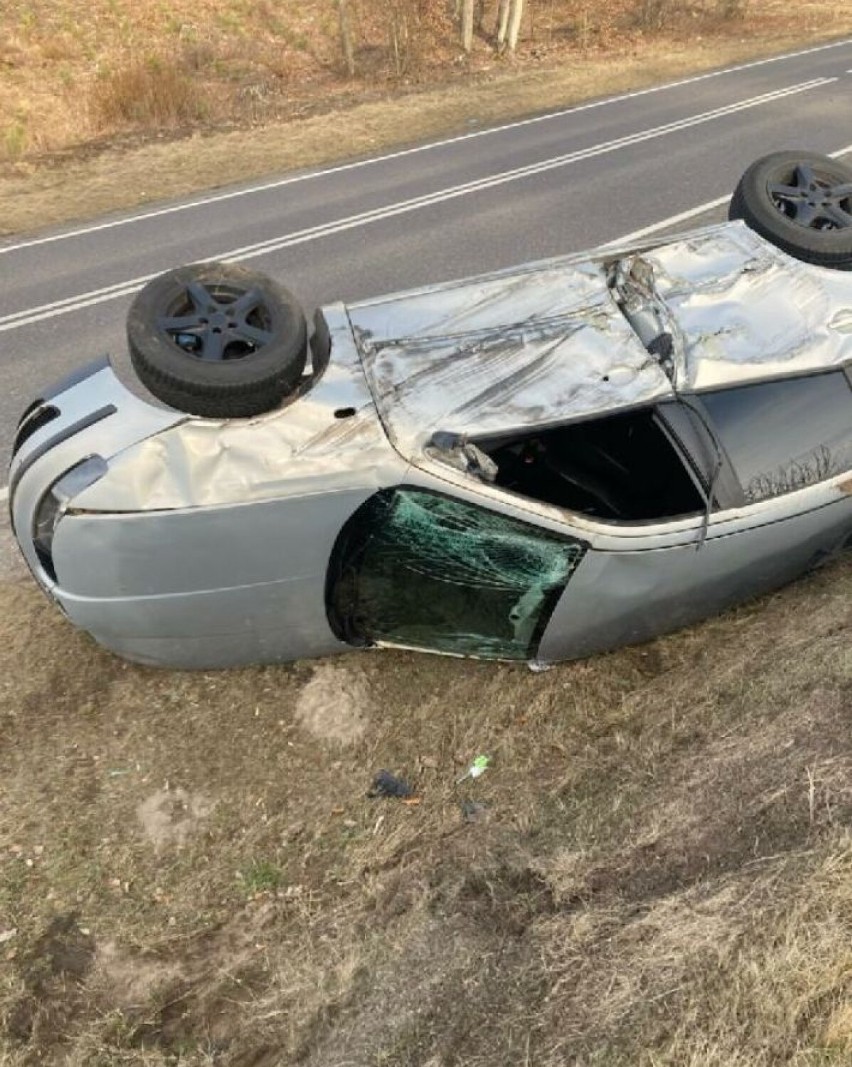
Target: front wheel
x,y
217,340
801,202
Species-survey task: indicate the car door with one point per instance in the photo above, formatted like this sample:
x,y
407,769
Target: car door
x,y
789,444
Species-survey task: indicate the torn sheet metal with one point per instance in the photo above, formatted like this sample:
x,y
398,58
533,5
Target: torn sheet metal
x,y
745,311
532,349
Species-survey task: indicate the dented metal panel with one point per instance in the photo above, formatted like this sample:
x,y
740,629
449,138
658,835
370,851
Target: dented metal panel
x,y
326,440
745,311
543,345
548,343
530,349
532,293
203,463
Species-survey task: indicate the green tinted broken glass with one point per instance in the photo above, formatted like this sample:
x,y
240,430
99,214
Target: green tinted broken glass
x,y
430,572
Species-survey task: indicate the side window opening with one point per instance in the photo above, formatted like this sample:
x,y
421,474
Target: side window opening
x,y
620,468
415,568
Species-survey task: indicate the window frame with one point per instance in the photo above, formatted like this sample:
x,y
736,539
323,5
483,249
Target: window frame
x,y
684,434
351,545
728,463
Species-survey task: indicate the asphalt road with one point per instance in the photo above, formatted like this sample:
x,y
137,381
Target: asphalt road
x,y
552,184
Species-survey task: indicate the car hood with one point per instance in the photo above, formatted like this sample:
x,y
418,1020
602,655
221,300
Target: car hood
x,y
548,343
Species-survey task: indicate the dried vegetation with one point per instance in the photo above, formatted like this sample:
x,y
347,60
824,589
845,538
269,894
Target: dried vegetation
x,y
71,75
655,870
114,104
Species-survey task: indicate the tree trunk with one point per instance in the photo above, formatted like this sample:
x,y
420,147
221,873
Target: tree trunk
x,y
502,22
467,25
346,37
515,24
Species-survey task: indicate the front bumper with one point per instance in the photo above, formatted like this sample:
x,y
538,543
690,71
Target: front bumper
x,y
88,414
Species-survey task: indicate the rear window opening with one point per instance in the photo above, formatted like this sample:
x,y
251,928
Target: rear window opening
x,y
621,468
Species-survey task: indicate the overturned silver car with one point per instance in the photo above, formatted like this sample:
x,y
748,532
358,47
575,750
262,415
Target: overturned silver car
x,y
536,464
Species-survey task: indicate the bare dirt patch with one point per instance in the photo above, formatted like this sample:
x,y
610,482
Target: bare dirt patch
x,y
169,816
131,981
333,705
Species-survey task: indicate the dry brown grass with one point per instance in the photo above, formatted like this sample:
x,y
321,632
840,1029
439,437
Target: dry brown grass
x,y
151,94
658,871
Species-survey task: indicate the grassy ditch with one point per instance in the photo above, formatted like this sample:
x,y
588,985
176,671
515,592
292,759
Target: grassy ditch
x,y
656,869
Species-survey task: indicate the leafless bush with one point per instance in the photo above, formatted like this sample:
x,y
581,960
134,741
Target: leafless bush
x,y
413,26
731,9
653,15
402,20
148,93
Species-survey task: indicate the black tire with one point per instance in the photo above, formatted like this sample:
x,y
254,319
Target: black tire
x,y
217,340
801,202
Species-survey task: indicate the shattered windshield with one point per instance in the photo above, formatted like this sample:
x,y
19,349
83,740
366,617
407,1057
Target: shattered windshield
x,y
417,569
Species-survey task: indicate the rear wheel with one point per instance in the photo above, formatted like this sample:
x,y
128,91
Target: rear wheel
x,y
802,203
218,340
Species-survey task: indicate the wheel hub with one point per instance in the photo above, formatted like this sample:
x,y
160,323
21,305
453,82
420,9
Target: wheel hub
x,y
811,201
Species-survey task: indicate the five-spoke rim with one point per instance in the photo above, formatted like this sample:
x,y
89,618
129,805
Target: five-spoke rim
x,y
216,322
813,200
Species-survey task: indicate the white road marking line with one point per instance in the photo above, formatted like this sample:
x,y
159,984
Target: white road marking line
x,y
98,296
343,167
664,224
684,216
4,493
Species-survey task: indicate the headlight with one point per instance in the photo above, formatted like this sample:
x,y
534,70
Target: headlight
x,y
54,503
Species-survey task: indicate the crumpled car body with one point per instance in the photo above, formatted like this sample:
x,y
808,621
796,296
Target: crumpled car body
x,y
537,464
